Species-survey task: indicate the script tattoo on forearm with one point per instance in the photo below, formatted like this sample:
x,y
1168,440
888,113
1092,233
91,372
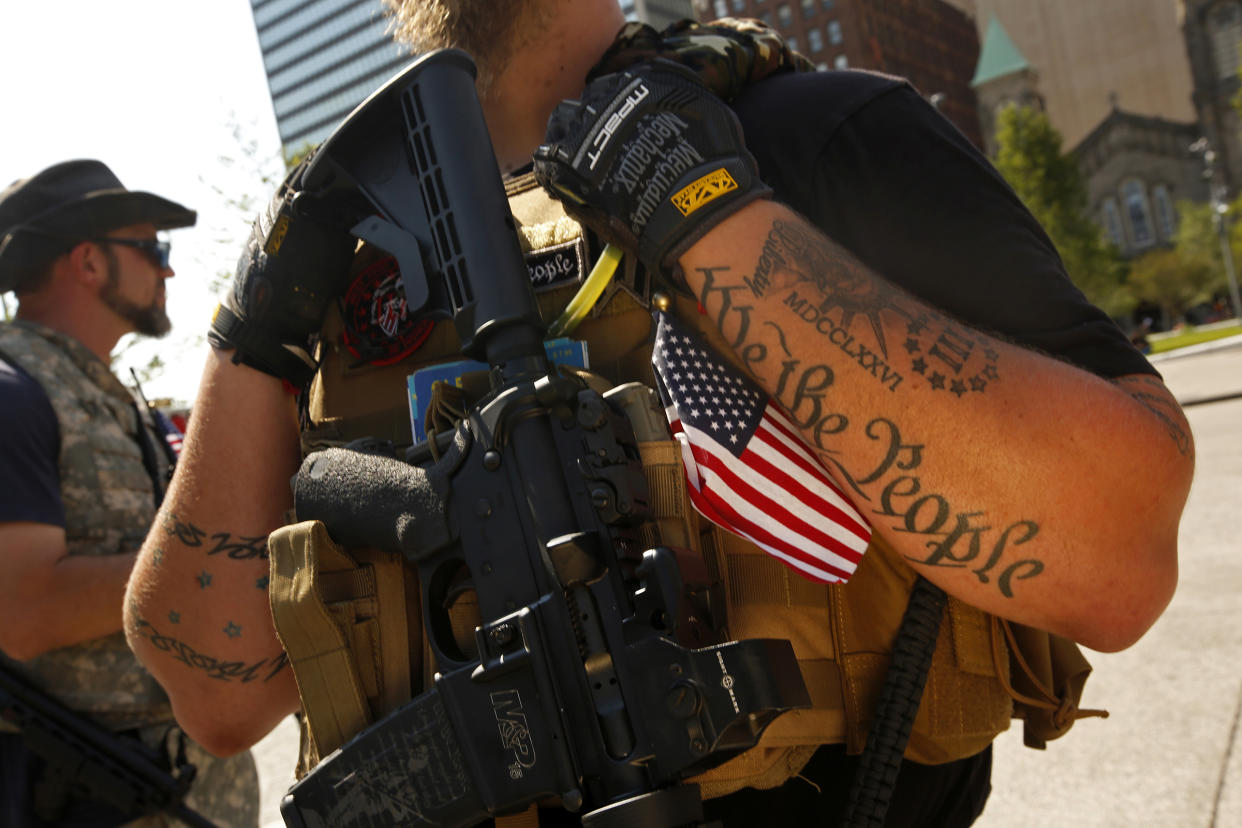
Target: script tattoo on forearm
x,y
239,548
844,304
215,668
1152,394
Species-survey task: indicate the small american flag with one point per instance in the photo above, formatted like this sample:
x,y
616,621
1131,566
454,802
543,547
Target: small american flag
x,y
171,433
747,469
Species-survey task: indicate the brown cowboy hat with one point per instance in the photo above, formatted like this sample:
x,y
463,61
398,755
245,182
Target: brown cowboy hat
x,y
44,215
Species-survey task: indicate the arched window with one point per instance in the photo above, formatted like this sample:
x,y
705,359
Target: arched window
x,y
814,40
1166,217
1112,223
1138,212
1225,31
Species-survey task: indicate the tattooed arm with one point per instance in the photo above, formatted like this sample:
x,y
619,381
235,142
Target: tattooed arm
x,y
196,612
1021,484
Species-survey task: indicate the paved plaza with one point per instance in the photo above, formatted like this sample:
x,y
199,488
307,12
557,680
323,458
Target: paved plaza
x,y
1169,755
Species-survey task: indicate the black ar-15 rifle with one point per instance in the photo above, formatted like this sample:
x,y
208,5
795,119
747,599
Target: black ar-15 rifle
x,y
577,688
83,759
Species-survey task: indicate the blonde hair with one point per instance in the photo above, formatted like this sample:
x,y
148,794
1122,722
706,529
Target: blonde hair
x,y
485,29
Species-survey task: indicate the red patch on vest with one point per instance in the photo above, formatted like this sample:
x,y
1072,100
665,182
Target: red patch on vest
x,y
378,327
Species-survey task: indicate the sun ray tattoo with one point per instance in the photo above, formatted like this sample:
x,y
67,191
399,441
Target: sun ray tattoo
x,y
844,304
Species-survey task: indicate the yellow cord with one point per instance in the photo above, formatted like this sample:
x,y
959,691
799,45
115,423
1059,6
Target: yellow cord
x,y
588,294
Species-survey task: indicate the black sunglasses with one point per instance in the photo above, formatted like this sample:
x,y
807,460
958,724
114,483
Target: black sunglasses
x,y
157,250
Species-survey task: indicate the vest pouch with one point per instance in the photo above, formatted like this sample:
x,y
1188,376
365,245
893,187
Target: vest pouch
x,y
673,522
342,619
1048,676
965,703
701,553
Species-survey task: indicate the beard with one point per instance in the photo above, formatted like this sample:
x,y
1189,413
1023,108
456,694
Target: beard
x,y
149,320
485,29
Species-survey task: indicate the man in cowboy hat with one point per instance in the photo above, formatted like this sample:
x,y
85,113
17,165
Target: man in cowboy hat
x,y
82,471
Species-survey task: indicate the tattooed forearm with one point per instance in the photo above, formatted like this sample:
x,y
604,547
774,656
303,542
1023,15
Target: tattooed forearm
x,y
239,548
187,534
954,538
264,669
856,315
1152,394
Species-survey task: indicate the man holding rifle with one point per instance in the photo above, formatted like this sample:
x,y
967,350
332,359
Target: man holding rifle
x,y
83,470
832,236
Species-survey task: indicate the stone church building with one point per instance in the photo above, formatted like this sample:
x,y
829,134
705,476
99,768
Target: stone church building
x,y
1131,90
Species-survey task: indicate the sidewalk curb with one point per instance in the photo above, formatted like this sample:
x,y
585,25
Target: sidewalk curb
x,y
1202,348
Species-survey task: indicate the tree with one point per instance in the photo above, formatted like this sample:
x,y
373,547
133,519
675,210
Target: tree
x,y
242,182
293,157
1173,280
231,191
1048,181
1199,247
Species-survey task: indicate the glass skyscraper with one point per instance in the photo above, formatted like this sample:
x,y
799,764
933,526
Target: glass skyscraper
x,y
323,57
658,13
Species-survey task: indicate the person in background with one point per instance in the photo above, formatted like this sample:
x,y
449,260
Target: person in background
x,y
82,472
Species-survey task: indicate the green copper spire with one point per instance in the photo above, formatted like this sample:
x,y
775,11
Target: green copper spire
x,y
998,57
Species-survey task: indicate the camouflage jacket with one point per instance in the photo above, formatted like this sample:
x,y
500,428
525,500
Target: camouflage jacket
x,y
109,503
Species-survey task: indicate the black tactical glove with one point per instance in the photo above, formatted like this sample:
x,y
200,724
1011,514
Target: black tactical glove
x,y
648,159
295,262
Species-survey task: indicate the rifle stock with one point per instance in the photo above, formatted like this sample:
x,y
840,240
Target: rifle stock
x,y
576,688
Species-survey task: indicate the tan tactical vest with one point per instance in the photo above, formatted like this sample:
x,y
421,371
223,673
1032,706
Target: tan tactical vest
x,y
109,505
841,634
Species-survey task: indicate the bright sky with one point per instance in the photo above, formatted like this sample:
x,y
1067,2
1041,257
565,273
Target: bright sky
x,y
167,93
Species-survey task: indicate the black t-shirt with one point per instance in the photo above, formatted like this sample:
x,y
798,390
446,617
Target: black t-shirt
x,y
881,172
29,448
